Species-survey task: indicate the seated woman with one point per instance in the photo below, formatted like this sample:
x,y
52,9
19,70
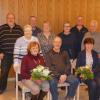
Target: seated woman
x,y
38,88
89,57
97,79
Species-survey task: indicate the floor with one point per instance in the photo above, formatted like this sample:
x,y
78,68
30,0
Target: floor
x,y
9,94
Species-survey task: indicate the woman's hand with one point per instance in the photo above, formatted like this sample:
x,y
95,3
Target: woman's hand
x,y
62,78
39,82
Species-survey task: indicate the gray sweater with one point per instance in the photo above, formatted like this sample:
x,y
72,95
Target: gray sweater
x,y
96,37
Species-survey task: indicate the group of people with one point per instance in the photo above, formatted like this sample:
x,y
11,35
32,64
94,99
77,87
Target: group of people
x,y
27,47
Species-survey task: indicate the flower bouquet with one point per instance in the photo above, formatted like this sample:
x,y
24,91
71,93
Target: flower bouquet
x,y
85,72
40,73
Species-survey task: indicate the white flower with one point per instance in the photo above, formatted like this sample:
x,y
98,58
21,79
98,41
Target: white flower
x,y
34,70
45,72
40,68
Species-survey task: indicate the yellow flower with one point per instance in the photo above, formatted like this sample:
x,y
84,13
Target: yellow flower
x,y
87,66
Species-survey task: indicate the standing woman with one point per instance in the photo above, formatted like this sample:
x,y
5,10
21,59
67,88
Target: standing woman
x,y
46,38
89,57
21,45
38,88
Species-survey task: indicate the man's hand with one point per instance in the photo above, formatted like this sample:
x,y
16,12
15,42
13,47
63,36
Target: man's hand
x,y
62,78
1,56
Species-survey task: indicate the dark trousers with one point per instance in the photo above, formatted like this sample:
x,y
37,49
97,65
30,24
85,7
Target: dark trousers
x,y
91,89
6,64
97,79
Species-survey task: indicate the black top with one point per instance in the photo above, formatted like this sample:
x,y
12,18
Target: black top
x,y
8,37
69,44
36,31
79,34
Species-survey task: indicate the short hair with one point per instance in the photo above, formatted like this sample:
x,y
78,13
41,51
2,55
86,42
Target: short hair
x,y
57,37
33,17
79,17
28,27
66,23
89,41
10,13
46,21
94,22
33,44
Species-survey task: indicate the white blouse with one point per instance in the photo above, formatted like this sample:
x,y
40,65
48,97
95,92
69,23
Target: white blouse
x,y
89,59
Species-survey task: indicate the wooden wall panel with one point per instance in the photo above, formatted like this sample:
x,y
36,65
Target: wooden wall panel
x,y
56,11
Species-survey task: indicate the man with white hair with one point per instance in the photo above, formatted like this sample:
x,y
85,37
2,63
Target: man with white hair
x,y
9,32
93,34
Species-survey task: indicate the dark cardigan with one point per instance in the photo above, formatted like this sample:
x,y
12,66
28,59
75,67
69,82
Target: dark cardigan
x,y
81,60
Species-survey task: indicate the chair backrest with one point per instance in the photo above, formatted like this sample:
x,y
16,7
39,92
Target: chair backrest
x,y
73,64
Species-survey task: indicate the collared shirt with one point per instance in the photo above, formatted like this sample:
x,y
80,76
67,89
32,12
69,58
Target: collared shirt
x,y
58,63
46,44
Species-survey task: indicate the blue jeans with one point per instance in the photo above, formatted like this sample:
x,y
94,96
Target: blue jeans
x,y
71,89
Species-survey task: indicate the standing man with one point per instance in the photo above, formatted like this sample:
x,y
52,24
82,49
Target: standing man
x,y
79,30
93,33
33,23
9,32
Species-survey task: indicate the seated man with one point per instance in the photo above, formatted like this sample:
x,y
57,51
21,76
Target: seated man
x,y
59,64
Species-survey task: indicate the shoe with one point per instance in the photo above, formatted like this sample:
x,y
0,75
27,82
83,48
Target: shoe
x,y
42,94
68,98
1,91
34,97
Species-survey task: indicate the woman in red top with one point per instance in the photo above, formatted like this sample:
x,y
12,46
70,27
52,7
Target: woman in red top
x,y
38,88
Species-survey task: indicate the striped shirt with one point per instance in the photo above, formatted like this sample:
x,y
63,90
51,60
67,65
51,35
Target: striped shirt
x,y
8,37
20,48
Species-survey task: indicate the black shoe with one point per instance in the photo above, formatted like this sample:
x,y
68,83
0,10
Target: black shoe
x,y
1,91
42,95
34,97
